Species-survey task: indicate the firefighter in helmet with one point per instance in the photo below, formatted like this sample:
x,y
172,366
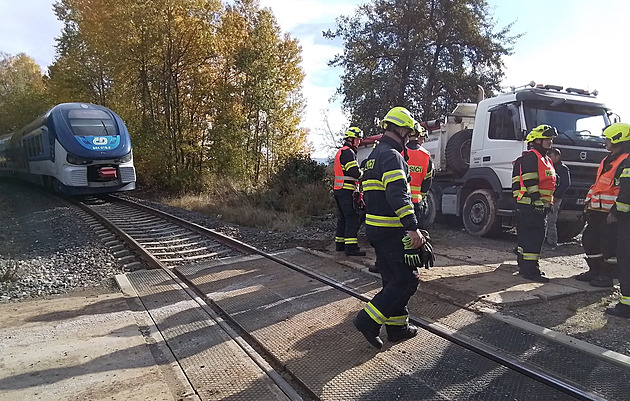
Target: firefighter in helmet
x,y
420,170
534,181
618,135
392,229
599,239
347,176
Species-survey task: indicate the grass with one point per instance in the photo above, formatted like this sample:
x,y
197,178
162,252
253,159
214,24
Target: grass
x,y
9,270
261,209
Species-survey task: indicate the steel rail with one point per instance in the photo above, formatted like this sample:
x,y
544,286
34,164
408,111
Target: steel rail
x,y
433,327
157,264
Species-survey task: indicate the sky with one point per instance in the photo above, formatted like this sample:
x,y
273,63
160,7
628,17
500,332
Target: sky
x,y
573,43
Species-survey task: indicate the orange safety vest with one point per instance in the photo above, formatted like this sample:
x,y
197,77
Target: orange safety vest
x,y
418,165
342,181
546,180
603,194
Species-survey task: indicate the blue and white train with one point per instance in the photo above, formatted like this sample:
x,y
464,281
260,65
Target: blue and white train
x,y
74,148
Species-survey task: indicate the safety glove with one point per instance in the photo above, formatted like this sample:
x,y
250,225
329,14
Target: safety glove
x,y
428,257
413,257
539,207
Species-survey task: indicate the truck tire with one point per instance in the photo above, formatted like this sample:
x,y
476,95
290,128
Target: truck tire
x,y
569,229
480,213
458,152
430,211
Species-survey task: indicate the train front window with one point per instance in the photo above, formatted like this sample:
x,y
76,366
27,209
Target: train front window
x,y
574,122
91,123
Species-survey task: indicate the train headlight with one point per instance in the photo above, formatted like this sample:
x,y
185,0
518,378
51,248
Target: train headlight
x,y
125,159
77,160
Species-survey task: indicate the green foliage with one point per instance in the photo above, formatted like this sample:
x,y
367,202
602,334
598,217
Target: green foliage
x,y
423,55
205,90
23,94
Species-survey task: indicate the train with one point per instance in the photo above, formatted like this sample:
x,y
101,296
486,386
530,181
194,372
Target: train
x,y
73,149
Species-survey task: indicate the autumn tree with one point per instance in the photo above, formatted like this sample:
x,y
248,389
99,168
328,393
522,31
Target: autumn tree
x,y
23,93
426,55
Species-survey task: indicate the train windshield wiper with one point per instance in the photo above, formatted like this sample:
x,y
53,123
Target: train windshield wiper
x,y
105,128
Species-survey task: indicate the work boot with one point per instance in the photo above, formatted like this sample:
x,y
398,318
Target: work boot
x,y
594,268
369,328
538,277
603,281
354,250
397,335
619,310
340,246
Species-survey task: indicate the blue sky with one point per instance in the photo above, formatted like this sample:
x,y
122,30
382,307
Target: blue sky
x,y
579,43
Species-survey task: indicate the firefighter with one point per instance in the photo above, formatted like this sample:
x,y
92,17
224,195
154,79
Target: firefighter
x,y
392,230
420,170
619,134
536,179
347,175
599,239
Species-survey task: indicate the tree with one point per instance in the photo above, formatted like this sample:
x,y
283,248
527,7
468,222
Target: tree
x,y
426,55
23,93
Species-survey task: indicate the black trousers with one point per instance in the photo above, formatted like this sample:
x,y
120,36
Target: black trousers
x,y
623,253
348,220
531,234
599,239
418,210
400,281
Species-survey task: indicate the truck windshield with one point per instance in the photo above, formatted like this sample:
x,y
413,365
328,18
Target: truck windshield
x,y
574,122
91,123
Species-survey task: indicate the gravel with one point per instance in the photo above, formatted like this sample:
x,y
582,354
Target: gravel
x,y
47,247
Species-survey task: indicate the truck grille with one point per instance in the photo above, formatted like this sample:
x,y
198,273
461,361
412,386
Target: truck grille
x,y
127,174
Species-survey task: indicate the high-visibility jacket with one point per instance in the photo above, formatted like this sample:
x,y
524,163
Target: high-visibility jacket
x,y
603,193
346,169
538,184
420,170
388,206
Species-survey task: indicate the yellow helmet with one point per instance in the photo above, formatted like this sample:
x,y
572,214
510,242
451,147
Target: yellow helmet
x,y
618,132
543,131
353,132
419,131
399,116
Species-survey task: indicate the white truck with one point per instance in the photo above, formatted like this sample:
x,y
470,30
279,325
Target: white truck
x,y
474,147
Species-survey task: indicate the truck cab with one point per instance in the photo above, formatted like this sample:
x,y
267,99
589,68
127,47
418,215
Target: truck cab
x,y
474,147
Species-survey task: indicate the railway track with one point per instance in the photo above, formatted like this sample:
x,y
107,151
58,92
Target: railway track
x,y
289,315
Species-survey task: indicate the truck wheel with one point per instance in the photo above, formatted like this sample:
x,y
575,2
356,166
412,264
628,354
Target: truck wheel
x,y
569,229
430,211
458,152
480,213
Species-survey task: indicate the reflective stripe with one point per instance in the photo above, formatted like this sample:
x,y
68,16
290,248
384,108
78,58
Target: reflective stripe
x,y
530,176
625,300
530,256
349,186
350,164
429,175
382,221
515,179
525,200
515,193
340,239
345,177
625,173
599,255
351,241
373,185
392,176
414,188
623,207
374,313
519,250
416,197
532,189
404,211
397,320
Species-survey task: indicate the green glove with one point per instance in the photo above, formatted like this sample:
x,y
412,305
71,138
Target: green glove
x,y
539,207
413,257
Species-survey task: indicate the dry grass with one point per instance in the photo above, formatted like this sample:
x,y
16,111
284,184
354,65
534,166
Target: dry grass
x,y
9,270
260,209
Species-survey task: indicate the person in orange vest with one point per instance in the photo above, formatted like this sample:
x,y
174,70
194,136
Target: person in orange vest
x,y
599,239
618,135
534,198
420,170
347,176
